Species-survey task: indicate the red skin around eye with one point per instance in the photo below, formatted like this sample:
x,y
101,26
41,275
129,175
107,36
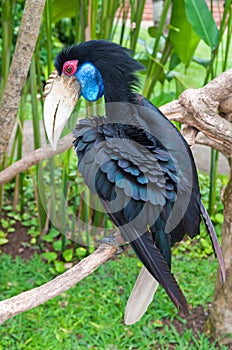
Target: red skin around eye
x,y
70,67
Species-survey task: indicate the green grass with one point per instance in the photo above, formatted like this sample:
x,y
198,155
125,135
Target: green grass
x,y
90,315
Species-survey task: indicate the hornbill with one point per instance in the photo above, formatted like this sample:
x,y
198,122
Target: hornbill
x,y
133,158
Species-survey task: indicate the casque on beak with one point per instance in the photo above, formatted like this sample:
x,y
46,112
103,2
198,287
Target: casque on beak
x,y
61,95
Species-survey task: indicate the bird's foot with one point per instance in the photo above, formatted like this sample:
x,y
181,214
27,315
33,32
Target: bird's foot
x,y
114,240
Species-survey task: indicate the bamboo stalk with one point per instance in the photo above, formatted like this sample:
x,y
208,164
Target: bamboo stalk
x,y
149,83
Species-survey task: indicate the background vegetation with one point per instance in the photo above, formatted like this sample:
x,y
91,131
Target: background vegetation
x,y
186,49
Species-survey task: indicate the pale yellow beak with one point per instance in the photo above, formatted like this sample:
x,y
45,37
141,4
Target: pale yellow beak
x,y
61,95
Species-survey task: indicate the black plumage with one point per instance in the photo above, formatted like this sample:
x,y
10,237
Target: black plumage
x,y
139,165
112,61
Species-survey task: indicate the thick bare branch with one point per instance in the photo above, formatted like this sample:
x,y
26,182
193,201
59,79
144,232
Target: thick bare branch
x,y
220,87
201,139
25,45
32,298
174,111
207,110
201,111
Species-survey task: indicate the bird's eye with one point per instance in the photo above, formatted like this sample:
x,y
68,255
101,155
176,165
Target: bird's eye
x,y
70,67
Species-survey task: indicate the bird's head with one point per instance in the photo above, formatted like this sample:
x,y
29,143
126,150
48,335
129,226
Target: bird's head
x,y
91,69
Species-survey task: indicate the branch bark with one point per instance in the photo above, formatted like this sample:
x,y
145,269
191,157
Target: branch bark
x,y
25,45
32,298
207,110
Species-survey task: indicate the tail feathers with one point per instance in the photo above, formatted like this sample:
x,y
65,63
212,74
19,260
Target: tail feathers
x,y
141,296
214,240
153,260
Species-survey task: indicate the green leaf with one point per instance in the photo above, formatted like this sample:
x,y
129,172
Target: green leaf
x,y
152,31
59,266
180,87
3,234
57,245
219,218
49,256
163,98
4,223
182,35
81,252
3,241
26,216
26,223
33,231
68,255
53,233
202,62
8,207
60,9
174,61
14,215
33,240
48,238
202,21
91,249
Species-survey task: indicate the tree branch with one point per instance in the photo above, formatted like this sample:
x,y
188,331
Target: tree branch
x,y
33,158
174,111
32,298
207,110
26,41
201,139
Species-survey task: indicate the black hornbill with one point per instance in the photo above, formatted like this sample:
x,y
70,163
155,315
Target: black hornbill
x,y
133,158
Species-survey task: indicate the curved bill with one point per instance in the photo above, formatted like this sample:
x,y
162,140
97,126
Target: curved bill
x,y
61,95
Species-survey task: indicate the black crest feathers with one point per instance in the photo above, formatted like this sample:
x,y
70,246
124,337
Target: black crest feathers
x,y
114,62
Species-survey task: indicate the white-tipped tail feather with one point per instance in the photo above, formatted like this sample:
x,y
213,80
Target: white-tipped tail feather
x,y
141,297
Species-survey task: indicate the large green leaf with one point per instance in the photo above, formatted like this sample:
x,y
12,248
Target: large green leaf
x,y
182,35
202,21
62,9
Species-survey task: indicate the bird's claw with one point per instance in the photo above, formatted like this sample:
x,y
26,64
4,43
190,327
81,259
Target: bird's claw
x,y
113,241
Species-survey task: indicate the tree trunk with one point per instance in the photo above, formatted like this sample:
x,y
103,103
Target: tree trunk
x,y
220,320
209,110
25,45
